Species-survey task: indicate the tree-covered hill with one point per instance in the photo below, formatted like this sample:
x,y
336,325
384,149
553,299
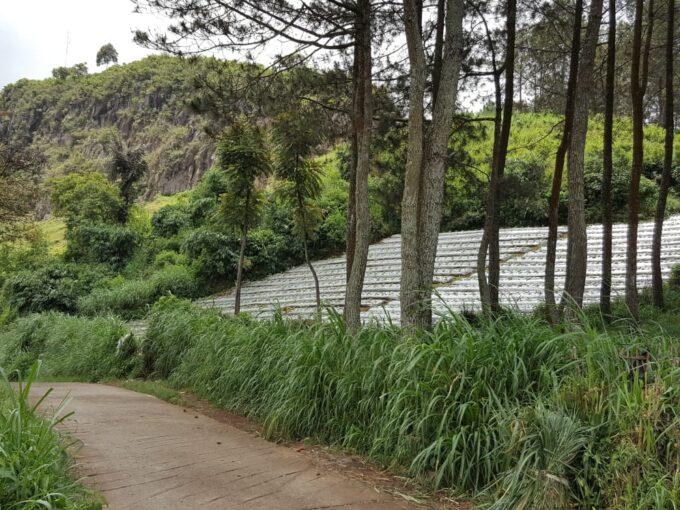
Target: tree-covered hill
x,y
153,103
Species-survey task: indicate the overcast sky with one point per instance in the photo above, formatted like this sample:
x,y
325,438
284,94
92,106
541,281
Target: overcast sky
x,y
33,34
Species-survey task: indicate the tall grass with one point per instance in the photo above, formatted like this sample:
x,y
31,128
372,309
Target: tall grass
x,y
511,409
91,349
35,470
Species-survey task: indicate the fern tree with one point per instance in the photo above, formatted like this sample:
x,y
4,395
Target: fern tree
x,y
295,136
243,156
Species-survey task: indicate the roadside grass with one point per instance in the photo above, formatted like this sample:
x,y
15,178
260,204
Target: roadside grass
x,y
511,412
158,389
514,411
36,472
69,347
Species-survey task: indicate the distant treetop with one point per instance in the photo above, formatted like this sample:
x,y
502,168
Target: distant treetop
x,y
107,54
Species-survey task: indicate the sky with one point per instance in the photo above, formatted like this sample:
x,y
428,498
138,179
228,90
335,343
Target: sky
x,y
34,34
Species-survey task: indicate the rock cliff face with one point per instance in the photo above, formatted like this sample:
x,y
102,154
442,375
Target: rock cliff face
x,y
146,101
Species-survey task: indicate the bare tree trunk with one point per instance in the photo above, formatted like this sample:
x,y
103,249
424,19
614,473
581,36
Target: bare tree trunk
x,y
577,243
553,211
419,237
484,289
435,162
669,124
239,270
363,117
638,86
608,167
494,239
410,205
305,244
438,48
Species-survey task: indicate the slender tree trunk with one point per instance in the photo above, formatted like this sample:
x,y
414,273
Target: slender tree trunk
x,y
239,270
608,167
305,245
489,291
553,212
669,124
426,164
438,48
508,101
484,289
577,243
638,85
363,118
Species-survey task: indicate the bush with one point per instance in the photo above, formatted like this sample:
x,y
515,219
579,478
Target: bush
x,y
93,349
104,244
54,287
170,258
211,254
130,298
85,198
169,220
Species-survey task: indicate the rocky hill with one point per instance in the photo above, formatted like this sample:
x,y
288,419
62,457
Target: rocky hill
x,y
155,103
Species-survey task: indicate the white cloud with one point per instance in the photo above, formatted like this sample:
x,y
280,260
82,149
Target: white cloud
x,y
33,34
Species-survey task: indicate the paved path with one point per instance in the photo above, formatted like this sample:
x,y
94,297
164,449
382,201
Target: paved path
x,y
143,453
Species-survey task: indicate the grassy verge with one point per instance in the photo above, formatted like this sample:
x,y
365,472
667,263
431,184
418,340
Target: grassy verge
x,y
69,347
157,389
36,472
513,412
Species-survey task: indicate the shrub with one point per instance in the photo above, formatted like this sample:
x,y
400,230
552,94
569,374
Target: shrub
x,y
93,349
169,220
170,258
104,244
130,298
54,287
211,254
213,184
85,198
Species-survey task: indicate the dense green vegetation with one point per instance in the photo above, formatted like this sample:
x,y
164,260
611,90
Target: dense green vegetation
x,y
512,411
508,410
37,472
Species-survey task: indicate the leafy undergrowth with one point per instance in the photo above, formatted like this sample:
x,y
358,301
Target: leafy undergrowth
x,y
36,472
512,412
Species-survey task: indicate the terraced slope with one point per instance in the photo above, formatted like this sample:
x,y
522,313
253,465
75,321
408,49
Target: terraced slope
x,y
522,269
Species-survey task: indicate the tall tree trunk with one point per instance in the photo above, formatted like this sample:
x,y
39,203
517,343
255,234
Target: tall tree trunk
x,y
411,203
363,118
508,100
638,86
239,270
436,159
577,242
669,124
553,211
608,167
491,239
419,240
